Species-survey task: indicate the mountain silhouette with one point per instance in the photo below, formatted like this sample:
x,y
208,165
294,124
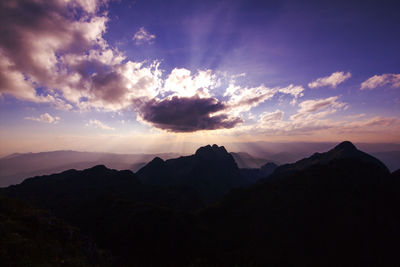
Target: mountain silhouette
x,y
17,167
247,161
337,208
254,175
343,212
117,211
69,188
211,171
344,150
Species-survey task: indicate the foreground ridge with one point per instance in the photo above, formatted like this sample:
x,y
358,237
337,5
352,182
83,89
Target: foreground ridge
x,y
333,208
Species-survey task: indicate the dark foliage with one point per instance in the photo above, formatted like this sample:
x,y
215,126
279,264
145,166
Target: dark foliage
x,y
32,237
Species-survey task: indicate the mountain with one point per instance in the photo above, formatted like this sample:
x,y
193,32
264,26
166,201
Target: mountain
x,y
289,152
211,171
16,167
390,158
247,161
66,191
344,150
337,208
120,214
342,213
253,175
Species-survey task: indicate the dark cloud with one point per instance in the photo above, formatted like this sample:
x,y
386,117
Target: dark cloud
x,y
30,27
108,86
57,45
187,114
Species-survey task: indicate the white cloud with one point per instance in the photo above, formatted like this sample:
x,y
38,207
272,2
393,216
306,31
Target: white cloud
x,y
319,106
322,128
143,36
46,118
312,120
381,80
243,99
333,80
311,116
372,124
98,124
356,116
267,117
181,83
294,90
62,50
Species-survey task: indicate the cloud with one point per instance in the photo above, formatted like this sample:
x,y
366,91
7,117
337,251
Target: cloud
x,y
187,114
180,82
312,120
371,123
381,80
46,118
143,36
322,127
310,117
100,125
318,108
36,38
294,90
333,80
266,117
356,116
54,52
243,99
58,46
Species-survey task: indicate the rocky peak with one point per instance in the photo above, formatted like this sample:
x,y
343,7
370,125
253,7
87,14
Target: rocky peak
x,y
212,152
346,145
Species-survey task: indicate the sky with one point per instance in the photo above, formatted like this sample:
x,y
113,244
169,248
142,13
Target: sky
x,y
138,76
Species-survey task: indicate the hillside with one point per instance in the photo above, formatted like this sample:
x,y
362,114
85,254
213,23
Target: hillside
x,y
32,237
337,208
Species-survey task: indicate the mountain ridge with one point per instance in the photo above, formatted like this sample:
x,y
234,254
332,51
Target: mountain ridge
x,y
16,167
344,150
211,170
337,208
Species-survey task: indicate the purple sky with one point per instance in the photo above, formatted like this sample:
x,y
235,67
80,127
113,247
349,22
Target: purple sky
x,y
128,76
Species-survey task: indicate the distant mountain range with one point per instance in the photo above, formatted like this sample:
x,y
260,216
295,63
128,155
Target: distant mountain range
x,y
247,161
16,167
331,209
282,153
255,174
